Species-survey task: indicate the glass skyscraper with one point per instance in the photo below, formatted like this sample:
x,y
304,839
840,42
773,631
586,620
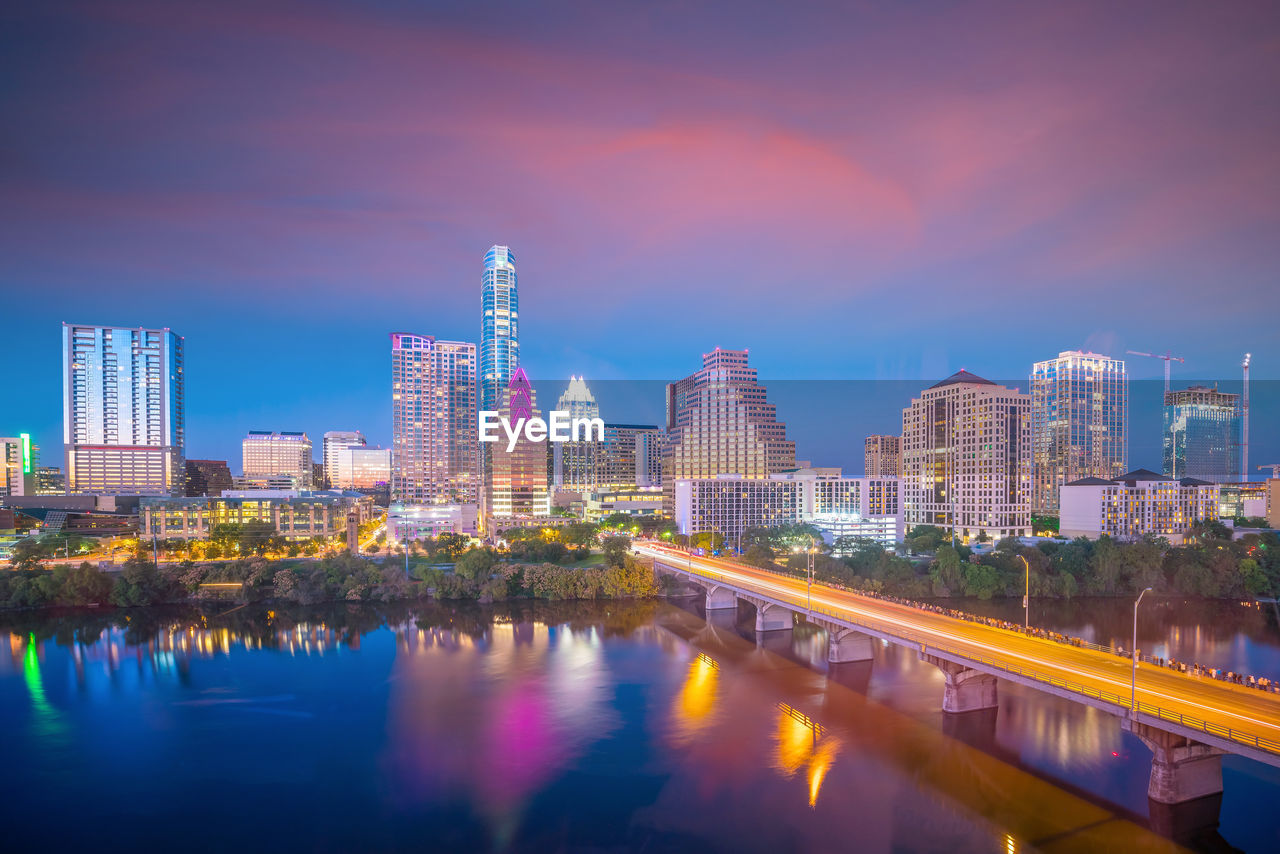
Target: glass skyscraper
x,y
1202,434
499,327
123,422
1079,417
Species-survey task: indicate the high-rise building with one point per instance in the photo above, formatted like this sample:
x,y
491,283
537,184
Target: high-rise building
x,y
17,465
333,440
123,420
627,457
361,468
282,454
499,326
1202,428
435,437
207,477
1079,418
516,487
882,456
574,463
719,422
966,458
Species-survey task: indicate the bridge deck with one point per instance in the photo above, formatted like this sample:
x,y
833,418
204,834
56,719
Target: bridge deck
x,y
1236,718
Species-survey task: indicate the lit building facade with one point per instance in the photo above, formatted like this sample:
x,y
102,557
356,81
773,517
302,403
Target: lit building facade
x,y
361,468
628,502
332,441
1136,504
1202,434
966,458
1242,499
1079,423
435,437
123,421
882,456
516,482
50,481
17,465
295,515
499,325
574,463
273,455
719,422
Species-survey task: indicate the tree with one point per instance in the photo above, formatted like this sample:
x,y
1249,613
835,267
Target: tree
x,y
83,585
27,553
475,564
615,549
945,572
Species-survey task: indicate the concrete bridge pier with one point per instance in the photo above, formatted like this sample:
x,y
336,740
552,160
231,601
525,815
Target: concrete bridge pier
x,y
721,598
966,690
1182,770
846,645
773,618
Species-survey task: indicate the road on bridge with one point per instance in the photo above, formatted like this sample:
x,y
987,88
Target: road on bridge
x,y
1221,707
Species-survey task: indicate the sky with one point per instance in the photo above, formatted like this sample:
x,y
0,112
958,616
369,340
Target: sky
x,y
853,191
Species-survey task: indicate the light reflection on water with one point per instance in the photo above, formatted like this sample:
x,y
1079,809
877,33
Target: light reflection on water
x,y
593,725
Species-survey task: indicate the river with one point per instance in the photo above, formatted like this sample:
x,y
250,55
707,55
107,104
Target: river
x,y
600,726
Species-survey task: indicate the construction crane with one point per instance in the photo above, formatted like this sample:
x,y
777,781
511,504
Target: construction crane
x,y
1275,469
1168,359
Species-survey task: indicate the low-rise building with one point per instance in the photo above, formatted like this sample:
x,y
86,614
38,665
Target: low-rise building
x,y
630,502
1135,505
295,515
418,521
1242,499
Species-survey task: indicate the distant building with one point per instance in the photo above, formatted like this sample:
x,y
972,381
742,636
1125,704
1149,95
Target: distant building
x,y
50,481
630,502
1242,499
966,459
882,456
207,477
499,325
419,521
268,454
627,457
435,442
516,484
574,463
332,441
123,417
1136,504
277,483
1273,502
1079,423
17,465
361,468
719,422
295,515
1202,428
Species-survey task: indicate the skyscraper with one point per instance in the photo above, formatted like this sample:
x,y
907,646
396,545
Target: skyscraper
x,y
333,440
269,456
516,480
966,458
574,463
123,422
435,438
719,421
499,326
882,456
1079,418
1202,434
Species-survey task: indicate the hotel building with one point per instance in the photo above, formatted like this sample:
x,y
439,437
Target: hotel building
x,y
966,458
1202,428
1079,418
268,455
123,427
882,456
1136,504
719,422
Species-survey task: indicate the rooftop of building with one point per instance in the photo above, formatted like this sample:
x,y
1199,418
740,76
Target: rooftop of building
x,y
962,377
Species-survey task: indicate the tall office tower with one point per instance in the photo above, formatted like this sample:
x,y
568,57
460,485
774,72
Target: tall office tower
x,y
882,456
208,478
720,422
1202,434
17,465
499,326
1079,418
516,480
649,457
627,457
966,459
333,440
267,455
574,463
435,437
123,420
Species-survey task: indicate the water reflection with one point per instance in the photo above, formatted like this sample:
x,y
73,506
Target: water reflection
x,y
801,744
692,712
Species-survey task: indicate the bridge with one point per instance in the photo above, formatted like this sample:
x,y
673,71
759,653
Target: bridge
x,y
1188,722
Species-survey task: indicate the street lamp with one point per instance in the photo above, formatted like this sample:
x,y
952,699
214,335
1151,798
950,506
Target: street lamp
x,y
1026,597
1133,686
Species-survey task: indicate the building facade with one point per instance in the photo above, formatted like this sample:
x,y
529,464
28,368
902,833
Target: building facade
x,y
966,459
719,422
1136,504
207,477
435,437
516,481
123,422
361,468
50,481
574,463
499,325
295,515
1079,423
332,441
17,465
1202,434
273,455
882,456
